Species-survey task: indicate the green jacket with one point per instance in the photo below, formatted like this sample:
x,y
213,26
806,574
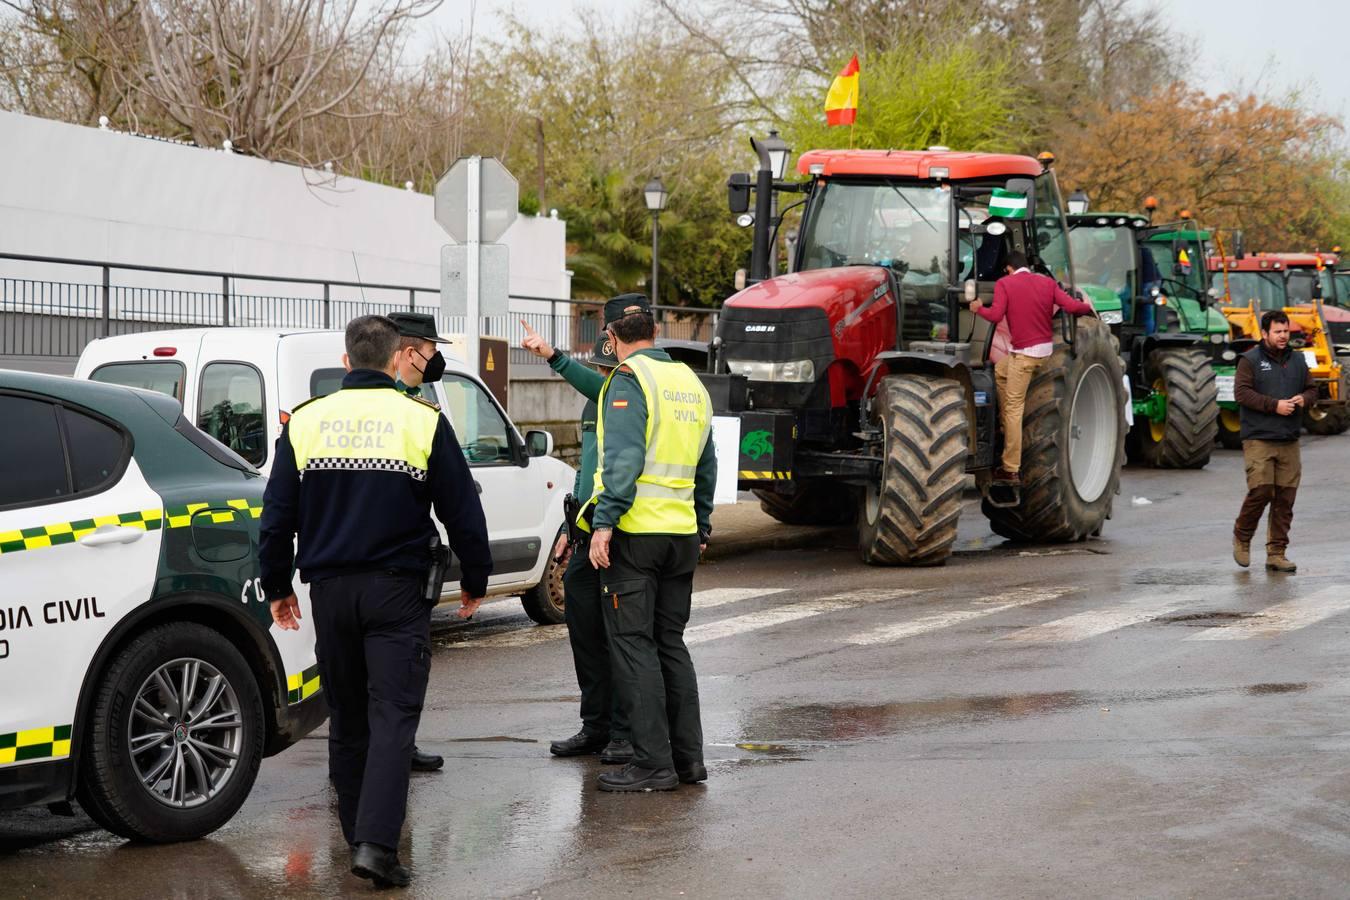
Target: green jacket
x,y
626,448
588,383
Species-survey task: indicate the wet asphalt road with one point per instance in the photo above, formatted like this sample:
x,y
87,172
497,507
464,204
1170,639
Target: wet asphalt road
x,y
1130,716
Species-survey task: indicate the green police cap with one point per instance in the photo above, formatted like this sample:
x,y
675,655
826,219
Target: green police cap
x,y
417,325
603,354
625,305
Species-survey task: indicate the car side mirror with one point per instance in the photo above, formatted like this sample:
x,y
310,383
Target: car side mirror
x,y
738,192
538,443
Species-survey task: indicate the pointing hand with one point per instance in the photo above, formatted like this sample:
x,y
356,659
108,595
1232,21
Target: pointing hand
x,y
535,343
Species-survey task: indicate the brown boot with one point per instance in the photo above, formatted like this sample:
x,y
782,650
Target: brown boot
x,y
1242,552
1276,561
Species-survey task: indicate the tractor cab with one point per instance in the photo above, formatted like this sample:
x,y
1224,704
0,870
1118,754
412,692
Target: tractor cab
x,y
863,384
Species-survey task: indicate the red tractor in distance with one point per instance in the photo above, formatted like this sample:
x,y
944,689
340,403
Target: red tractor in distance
x,y
865,387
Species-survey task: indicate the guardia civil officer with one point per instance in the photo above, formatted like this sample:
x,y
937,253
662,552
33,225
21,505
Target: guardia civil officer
x,y
650,512
374,461
604,729
419,363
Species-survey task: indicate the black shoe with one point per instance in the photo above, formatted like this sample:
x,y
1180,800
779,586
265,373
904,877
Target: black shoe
x,y
617,753
579,744
636,778
380,866
426,762
692,773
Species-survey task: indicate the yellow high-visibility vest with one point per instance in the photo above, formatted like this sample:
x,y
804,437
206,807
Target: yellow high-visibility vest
x,y
364,430
679,426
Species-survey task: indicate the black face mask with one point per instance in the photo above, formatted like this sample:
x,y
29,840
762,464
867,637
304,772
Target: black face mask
x,y
434,368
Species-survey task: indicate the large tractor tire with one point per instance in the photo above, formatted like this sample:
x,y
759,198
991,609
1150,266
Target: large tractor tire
x,y
910,518
1185,438
1230,429
809,503
1336,420
1073,443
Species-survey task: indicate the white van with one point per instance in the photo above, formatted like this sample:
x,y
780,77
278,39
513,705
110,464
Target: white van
x,y
240,384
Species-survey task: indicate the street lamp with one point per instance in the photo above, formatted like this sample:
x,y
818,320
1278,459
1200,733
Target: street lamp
x,y
773,155
655,195
1078,203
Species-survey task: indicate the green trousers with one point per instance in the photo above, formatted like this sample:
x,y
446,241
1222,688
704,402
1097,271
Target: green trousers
x,y
646,594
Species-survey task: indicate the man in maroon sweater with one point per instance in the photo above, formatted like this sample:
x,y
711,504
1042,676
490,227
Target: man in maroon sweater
x,y
1028,300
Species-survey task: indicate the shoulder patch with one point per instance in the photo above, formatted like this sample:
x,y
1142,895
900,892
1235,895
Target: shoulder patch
x,y
426,403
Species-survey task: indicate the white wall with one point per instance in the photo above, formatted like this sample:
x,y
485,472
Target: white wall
x,y
72,191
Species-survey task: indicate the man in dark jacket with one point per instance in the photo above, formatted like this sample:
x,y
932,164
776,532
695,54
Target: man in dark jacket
x,y
1272,385
374,463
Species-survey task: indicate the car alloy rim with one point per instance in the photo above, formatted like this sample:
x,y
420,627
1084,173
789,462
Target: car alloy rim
x,y
185,731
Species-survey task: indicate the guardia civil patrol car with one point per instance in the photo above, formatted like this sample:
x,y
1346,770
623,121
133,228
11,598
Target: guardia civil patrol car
x,y
139,669
240,384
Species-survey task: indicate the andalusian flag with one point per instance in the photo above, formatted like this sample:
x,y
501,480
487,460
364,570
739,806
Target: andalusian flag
x,y
841,103
1007,204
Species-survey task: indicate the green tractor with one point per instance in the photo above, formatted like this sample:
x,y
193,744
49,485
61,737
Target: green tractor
x,y
1149,283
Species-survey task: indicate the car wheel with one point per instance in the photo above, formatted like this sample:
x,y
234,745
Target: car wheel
x,y
174,738
545,603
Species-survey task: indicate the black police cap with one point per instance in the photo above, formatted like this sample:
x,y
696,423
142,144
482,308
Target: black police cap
x,y
417,325
603,354
625,305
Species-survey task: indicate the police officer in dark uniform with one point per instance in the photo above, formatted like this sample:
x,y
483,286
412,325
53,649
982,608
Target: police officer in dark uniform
x,y
419,363
375,462
650,513
604,728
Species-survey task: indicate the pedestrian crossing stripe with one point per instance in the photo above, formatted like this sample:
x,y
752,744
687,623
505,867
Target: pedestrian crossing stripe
x,y
59,533
52,742
302,685
758,475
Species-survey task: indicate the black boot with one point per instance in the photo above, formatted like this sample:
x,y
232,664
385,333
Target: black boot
x,y
618,752
426,762
379,865
692,773
579,744
636,778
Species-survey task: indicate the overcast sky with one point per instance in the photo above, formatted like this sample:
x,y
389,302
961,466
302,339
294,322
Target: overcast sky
x,y
1272,48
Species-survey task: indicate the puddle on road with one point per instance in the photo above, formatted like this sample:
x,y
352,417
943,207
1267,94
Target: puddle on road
x,y
1287,687
795,729
1176,577
1207,619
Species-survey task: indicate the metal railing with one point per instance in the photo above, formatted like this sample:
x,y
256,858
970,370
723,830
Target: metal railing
x,y
57,317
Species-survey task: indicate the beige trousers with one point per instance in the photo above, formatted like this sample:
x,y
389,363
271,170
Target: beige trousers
x,y
1013,374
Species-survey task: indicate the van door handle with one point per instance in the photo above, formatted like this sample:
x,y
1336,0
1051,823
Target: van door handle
x,y
111,534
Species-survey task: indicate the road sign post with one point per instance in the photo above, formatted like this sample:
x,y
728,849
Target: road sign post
x,y
477,199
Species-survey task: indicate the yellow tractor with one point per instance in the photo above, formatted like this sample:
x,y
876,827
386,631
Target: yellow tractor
x,y
1255,284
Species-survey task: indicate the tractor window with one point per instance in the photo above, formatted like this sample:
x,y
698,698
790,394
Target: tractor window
x,y
1180,263
906,227
1052,244
1299,287
1266,288
1341,281
1104,256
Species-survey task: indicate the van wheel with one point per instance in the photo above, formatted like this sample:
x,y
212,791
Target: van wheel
x,y
175,736
544,603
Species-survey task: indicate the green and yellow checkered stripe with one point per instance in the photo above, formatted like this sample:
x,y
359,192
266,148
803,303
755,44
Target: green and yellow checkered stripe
x,y
58,533
52,742
302,685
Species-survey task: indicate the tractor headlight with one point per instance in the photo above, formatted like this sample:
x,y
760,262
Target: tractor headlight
x,y
797,371
1217,338
1229,356
1111,317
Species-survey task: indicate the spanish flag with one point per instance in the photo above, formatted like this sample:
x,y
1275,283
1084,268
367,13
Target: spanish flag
x,y
841,103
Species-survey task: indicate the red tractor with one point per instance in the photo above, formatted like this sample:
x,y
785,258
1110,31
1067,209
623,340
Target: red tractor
x,y
865,387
